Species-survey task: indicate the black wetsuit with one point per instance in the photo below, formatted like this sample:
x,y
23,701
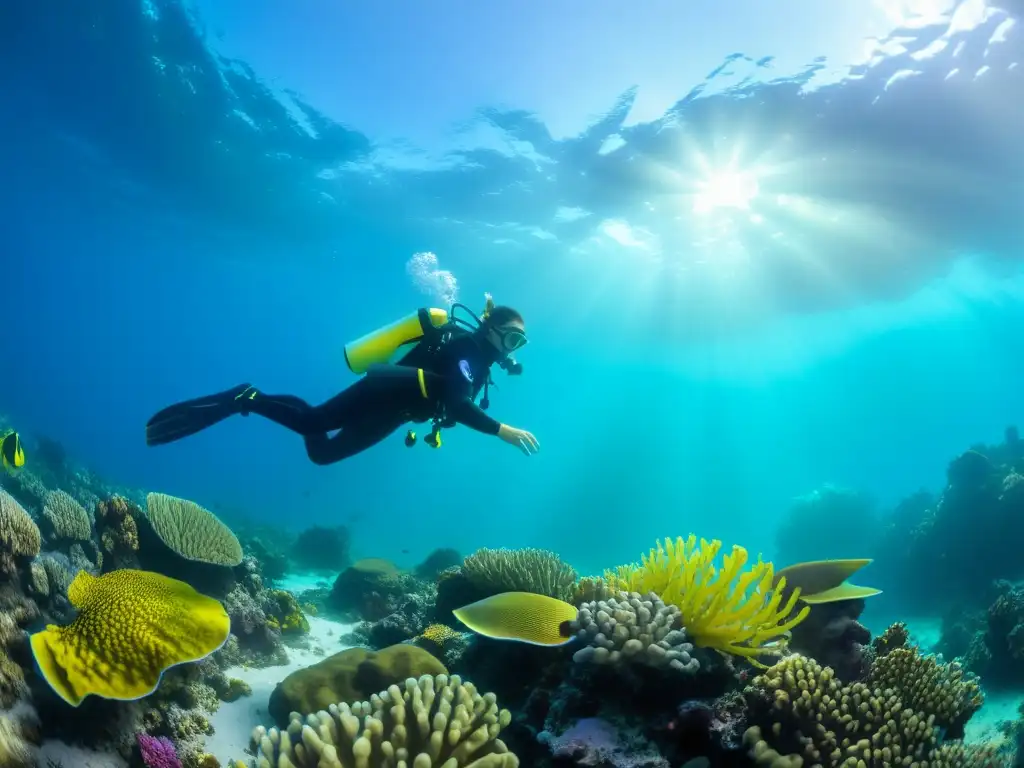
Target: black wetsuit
x,y
389,396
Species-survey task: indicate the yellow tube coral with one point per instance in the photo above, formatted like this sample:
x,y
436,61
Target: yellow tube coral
x,y
131,627
732,610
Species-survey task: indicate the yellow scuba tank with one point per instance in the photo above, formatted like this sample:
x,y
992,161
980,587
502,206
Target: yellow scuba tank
x,y
381,345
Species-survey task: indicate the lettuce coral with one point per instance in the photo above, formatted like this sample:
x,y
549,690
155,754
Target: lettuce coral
x,y
191,531
131,627
732,610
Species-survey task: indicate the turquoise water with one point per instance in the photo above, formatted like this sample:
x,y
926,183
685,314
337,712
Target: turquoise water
x,y
799,269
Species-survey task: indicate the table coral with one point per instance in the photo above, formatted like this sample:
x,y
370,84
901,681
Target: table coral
x,y
433,721
191,531
131,626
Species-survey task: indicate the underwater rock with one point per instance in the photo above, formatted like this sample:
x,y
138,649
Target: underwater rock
x,y
437,561
322,549
595,742
832,636
350,675
370,589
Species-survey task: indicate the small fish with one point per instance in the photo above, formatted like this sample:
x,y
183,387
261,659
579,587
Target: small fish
x,y
522,616
12,454
405,551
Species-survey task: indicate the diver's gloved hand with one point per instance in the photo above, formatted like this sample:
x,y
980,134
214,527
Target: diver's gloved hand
x,y
520,438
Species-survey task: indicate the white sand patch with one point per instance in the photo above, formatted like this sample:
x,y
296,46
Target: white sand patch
x,y
998,707
233,722
63,754
297,583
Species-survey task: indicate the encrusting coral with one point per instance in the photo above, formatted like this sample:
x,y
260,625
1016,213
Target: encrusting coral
x,y
520,570
629,627
66,518
191,531
731,610
433,721
131,626
802,713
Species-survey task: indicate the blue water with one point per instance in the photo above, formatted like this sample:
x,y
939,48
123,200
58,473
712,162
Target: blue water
x,y
855,322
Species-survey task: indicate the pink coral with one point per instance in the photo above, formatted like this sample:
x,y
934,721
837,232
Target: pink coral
x,y
158,752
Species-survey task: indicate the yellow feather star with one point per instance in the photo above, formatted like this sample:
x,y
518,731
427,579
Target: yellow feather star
x,y
732,610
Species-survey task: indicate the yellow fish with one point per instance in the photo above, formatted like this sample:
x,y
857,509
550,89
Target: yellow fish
x,y
12,455
522,616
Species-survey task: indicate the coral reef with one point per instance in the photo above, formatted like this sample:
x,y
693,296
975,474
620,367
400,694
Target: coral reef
x,y
435,720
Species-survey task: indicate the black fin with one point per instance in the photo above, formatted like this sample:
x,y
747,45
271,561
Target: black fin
x,y
187,418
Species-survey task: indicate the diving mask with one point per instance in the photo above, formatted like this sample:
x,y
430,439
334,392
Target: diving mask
x,y
512,339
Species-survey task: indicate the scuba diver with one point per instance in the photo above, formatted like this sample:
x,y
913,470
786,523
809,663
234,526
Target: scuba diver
x,y
438,379
12,454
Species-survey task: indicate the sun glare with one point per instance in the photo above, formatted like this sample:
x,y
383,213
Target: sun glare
x,y
725,189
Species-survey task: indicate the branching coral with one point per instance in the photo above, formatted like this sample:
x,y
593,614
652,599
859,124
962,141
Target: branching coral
x,y
631,628
118,532
434,721
924,684
191,531
731,610
802,713
520,570
67,519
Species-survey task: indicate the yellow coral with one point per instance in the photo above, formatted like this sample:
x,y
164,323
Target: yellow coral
x,y
731,610
131,627
191,531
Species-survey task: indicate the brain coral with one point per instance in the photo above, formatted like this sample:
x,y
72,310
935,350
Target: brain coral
x,y
19,535
67,518
191,531
131,626
434,721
